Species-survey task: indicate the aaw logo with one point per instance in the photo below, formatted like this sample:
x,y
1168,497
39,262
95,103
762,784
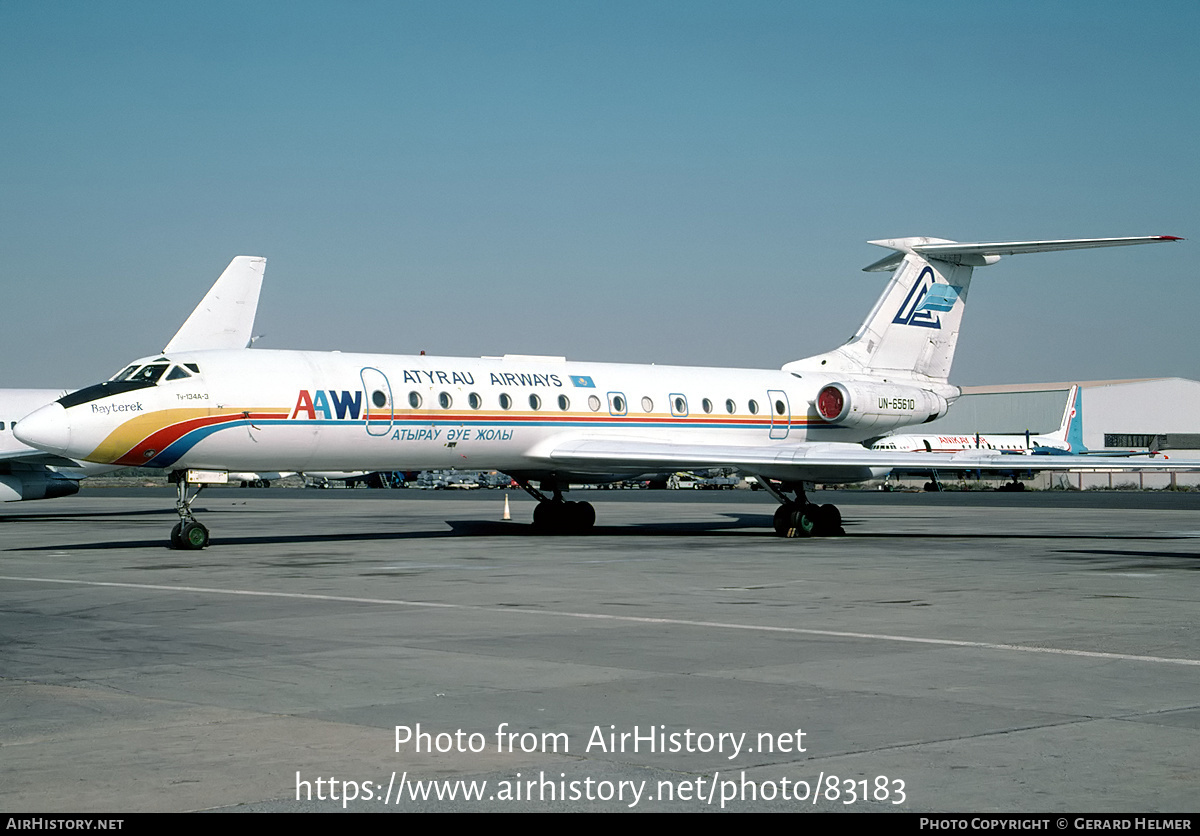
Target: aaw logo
x,y
922,303
346,405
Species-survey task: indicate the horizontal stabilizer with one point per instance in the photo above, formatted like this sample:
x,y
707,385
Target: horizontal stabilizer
x,y
978,255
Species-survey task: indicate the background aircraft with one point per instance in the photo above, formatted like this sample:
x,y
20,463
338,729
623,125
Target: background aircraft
x,y
200,414
1068,438
223,319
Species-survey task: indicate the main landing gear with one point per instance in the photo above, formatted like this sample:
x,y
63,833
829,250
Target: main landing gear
x,y
188,533
800,518
557,516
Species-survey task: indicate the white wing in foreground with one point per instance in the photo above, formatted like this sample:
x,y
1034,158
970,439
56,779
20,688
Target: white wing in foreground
x,y
817,462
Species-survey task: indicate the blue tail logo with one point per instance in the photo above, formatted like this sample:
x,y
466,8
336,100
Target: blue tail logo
x,y
923,303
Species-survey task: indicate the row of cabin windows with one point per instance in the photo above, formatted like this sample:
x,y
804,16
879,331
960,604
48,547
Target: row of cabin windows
x,y
617,404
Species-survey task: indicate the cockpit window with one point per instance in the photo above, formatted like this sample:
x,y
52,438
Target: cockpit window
x,y
149,374
133,378
178,373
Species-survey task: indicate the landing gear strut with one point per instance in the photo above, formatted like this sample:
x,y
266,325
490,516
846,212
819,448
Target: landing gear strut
x,y
188,533
556,516
800,518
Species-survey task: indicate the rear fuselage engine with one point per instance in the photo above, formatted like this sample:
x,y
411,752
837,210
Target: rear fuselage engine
x,y
878,406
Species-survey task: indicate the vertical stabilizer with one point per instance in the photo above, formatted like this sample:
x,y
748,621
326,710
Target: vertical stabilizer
x,y
225,316
1070,430
913,329
915,325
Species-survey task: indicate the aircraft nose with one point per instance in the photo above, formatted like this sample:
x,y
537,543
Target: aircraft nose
x,y
47,428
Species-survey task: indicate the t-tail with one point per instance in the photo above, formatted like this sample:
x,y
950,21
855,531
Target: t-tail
x,y
913,329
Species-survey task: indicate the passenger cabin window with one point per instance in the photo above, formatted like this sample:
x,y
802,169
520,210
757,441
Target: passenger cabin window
x,y
414,399
753,407
730,406
474,400
505,401
706,404
564,403
647,405
679,406
445,400
535,402
593,403
616,403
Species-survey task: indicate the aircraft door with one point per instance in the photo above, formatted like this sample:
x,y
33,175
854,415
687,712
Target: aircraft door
x,y
781,413
380,408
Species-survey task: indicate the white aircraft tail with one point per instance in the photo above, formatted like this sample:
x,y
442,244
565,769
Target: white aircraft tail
x,y
225,316
913,329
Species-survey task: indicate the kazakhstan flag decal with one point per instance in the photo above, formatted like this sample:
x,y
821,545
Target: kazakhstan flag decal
x,y
582,381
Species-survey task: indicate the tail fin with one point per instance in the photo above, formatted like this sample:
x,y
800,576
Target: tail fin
x,y
1070,431
225,316
913,328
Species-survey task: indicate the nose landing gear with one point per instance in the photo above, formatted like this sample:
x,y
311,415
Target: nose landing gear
x,y
188,533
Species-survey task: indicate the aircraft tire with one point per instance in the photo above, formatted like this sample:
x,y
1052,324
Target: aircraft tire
x,y
176,539
564,517
193,536
585,515
782,520
803,523
831,520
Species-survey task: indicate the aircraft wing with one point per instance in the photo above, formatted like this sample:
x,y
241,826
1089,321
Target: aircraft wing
x,y
811,462
29,456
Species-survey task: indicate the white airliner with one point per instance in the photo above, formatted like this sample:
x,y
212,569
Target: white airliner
x,y
223,319
548,422
1068,438
27,473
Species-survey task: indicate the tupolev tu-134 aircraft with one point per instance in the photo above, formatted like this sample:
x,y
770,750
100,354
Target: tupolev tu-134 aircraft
x,y
548,422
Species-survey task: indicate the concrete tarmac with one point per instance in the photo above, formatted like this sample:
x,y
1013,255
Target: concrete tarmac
x,y
954,652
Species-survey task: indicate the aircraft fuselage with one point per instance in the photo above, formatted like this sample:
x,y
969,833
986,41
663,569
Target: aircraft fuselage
x,y
298,410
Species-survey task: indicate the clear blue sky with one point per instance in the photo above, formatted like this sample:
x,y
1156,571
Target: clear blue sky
x,y
672,182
